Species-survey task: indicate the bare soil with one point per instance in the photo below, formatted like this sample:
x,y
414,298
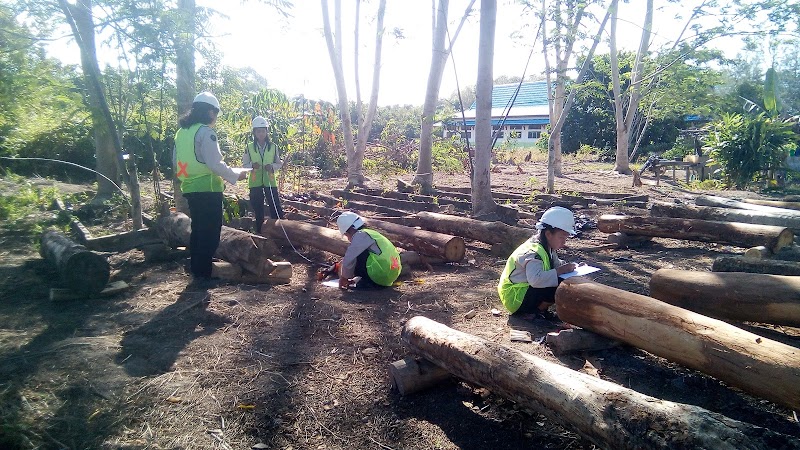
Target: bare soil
x,y
166,365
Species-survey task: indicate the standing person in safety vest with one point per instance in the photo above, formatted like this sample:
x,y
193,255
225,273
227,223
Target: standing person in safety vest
x,y
199,166
370,255
262,155
531,275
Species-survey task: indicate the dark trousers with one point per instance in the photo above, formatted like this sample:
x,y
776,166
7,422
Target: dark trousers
x,y
361,271
274,209
206,211
535,297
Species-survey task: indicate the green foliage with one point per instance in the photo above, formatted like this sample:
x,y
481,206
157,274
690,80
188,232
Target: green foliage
x,y
447,155
22,208
230,208
743,145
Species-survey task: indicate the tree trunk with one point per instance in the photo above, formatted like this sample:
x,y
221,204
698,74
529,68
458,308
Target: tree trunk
x,y
710,200
249,251
774,203
482,203
390,202
739,234
791,253
122,242
82,271
747,297
355,176
448,247
753,265
184,77
479,230
607,414
437,200
745,360
663,209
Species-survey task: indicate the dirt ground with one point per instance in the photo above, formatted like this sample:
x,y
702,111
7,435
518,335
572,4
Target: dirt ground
x,y
166,365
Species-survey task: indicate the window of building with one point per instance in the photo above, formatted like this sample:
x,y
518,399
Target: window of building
x,y
534,134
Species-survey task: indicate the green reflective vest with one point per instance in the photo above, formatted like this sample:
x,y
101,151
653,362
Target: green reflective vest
x,y
194,175
512,294
261,176
383,269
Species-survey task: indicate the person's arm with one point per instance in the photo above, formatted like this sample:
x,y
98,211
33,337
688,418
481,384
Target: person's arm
x,y
208,153
361,241
246,162
277,163
538,277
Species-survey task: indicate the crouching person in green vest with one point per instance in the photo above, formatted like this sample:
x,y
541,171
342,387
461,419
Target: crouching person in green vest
x,y
370,255
528,283
199,167
263,157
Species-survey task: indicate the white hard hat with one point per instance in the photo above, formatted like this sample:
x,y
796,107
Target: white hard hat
x,y
348,219
558,217
207,97
260,122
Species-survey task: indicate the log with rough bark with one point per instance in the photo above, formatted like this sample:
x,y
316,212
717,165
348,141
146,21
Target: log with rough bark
x,y
774,203
712,200
122,242
411,375
605,413
438,200
329,240
479,230
390,202
249,251
785,254
446,246
755,364
84,272
750,297
332,202
623,240
734,233
665,209
754,265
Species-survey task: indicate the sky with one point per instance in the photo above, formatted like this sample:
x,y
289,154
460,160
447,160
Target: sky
x,y
292,55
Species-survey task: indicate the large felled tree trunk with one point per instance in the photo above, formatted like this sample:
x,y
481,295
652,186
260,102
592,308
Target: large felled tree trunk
x,y
665,209
745,360
81,270
740,234
607,414
751,297
753,265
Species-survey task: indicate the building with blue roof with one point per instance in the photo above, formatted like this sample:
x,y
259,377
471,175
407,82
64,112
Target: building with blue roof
x,y
526,120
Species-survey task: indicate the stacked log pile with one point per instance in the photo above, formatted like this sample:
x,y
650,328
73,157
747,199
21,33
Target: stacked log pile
x,y
755,364
607,414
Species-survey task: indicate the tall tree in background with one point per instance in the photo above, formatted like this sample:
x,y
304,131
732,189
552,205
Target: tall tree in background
x,y
482,202
566,16
625,108
439,52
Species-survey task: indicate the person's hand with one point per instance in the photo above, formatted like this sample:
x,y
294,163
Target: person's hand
x,y
242,176
268,168
566,268
344,283
256,166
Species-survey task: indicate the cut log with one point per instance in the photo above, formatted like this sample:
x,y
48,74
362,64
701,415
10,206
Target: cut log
x,y
122,242
749,297
438,200
278,273
753,265
479,230
249,251
333,202
411,375
774,203
623,240
300,233
711,200
562,342
739,234
664,209
446,246
755,364
607,414
791,253
84,272
390,202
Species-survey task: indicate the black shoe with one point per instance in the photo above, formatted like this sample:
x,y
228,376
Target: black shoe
x,y
547,315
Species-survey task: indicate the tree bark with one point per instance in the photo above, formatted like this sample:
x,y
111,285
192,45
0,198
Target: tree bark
x,y
479,230
750,297
607,414
334,202
791,253
390,202
745,360
436,200
773,203
753,265
663,209
739,234
123,242
446,246
84,272
710,200
249,251
482,203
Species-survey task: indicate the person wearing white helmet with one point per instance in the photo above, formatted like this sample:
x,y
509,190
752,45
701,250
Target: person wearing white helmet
x,y
262,155
370,255
201,170
529,280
